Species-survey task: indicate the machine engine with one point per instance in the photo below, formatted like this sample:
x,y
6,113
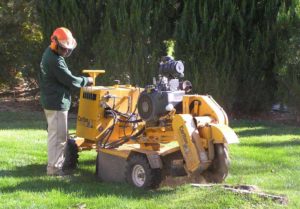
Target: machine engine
x,y
166,94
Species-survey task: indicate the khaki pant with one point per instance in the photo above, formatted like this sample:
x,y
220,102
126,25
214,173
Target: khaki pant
x,y
57,137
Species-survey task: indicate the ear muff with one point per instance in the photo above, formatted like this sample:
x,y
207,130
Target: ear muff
x,y
54,43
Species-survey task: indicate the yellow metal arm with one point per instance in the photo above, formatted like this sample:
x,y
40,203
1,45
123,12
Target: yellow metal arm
x,y
94,74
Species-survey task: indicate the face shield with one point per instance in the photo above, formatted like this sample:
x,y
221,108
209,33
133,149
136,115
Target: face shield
x,y
64,52
65,48
68,52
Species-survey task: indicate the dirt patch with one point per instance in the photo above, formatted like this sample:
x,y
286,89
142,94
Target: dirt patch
x,y
20,98
19,104
287,118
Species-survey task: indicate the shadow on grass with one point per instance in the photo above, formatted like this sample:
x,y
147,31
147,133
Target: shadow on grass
x,y
242,123
33,170
292,142
26,120
280,131
262,129
259,128
84,182
22,120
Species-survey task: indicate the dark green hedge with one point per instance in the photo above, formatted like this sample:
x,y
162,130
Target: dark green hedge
x,y
229,47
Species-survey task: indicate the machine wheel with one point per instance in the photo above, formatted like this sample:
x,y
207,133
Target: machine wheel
x,y
219,168
140,174
71,155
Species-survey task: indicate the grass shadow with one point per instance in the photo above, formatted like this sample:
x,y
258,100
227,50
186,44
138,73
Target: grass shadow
x,y
269,131
22,120
84,181
39,170
254,128
27,120
272,144
33,170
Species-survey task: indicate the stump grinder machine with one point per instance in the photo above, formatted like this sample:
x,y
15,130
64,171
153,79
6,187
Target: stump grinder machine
x,y
143,135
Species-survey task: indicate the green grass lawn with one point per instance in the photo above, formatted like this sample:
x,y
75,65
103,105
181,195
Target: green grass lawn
x,y
268,157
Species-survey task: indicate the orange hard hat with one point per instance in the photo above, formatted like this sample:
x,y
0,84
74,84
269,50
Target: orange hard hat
x,y
64,38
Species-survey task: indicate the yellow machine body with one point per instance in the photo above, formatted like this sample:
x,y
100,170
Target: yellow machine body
x,y
91,120
193,132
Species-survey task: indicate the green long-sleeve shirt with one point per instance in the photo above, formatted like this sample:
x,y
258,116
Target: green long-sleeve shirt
x,y
56,80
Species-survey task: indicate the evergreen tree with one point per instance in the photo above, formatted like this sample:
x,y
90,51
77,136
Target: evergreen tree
x,y
20,40
287,59
131,41
229,48
124,37
83,18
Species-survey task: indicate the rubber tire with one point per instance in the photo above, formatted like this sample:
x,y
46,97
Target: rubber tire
x,y
219,168
71,155
153,176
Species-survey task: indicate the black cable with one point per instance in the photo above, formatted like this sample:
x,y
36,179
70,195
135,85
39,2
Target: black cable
x,y
106,135
103,142
140,132
112,128
130,121
117,143
120,142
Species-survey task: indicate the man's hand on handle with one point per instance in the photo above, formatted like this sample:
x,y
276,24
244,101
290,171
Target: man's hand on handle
x,y
90,81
